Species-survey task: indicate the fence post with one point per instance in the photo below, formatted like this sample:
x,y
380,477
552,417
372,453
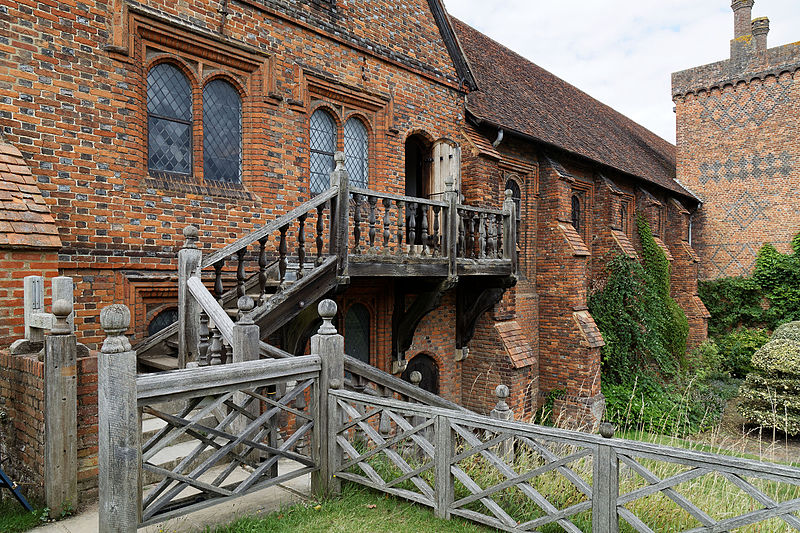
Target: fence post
x,y
510,229
442,457
502,411
189,258
61,414
119,426
339,223
451,197
605,490
329,345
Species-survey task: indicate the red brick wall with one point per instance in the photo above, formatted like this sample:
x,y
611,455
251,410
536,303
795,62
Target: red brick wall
x,y
22,425
738,151
14,266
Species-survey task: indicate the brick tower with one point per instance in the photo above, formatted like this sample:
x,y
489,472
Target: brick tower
x,y
738,123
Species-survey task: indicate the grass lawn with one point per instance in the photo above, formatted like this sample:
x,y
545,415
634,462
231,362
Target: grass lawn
x,y
359,509
14,518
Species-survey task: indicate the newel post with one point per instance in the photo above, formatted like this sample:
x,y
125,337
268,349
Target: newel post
x,y
502,411
605,490
341,217
329,345
442,458
189,258
451,231
61,413
510,229
119,426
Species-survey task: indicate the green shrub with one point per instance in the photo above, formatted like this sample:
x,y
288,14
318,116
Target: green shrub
x,y
770,394
733,303
789,331
736,350
706,361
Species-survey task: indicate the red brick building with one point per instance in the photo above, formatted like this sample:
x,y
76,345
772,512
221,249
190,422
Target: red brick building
x,y
125,122
737,123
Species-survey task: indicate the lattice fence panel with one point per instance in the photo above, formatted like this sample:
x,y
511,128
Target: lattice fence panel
x,y
236,439
520,483
387,450
658,494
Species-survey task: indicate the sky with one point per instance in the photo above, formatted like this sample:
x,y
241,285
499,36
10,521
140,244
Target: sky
x,y
622,52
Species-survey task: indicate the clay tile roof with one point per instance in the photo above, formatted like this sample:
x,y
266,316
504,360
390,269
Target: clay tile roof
x,y
519,96
25,219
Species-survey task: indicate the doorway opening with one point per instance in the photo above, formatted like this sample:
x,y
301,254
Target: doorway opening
x,y
425,365
418,163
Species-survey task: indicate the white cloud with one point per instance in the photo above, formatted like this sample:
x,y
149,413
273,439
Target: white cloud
x,y
622,52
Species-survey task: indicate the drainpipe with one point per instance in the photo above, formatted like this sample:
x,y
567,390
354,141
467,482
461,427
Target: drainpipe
x,y
499,139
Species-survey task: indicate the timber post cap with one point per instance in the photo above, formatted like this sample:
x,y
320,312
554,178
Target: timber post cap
x,y
115,320
339,158
607,430
191,234
327,310
416,377
61,310
501,391
245,304
509,194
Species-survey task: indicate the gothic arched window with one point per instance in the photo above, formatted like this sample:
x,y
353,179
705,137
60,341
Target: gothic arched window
x,y
356,146
356,332
576,213
222,132
323,145
169,120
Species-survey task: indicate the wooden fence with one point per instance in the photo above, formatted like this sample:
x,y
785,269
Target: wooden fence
x,y
394,438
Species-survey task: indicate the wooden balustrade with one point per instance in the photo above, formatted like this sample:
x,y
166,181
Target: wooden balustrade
x,y
480,233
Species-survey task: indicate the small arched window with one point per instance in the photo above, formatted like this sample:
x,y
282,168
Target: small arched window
x,y
623,217
516,195
356,332
222,132
162,320
323,145
169,120
576,213
355,150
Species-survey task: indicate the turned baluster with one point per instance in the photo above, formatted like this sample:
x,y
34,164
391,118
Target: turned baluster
x,y
218,288
216,350
462,243
262,268
470,242
205,336
499,247
435,246
490,236
282,263
320,231
401,217
412,227
424,229
476,238
373,203
482,236
387,204
357,223
240,274
301,244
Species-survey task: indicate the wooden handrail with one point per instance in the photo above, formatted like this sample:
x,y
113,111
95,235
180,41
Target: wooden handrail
x,y
414,199
266,229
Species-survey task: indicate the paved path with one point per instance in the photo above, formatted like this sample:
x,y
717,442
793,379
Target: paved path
x,y
261,502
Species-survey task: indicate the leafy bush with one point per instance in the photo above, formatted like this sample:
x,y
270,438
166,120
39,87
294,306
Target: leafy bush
x,y
706,362
770,394
732,303
768,298
789,331
736,350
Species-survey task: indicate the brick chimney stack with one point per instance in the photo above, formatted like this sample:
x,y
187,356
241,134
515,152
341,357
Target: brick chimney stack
x,y
742,44
742,14
760,30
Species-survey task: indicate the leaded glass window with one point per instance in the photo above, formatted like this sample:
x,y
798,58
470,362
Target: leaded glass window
x,y
356,332
356,146
162,320
323,146
576,213
222,132
169,120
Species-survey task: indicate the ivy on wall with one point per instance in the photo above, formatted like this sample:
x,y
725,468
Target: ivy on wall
x,y
768,298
